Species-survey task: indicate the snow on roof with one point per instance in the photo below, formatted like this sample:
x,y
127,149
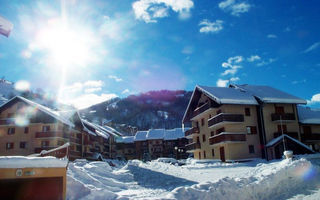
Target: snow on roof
x,y
174,134
31,162
223,95
308,115
155,134
275,140
98,130
52,113
141,136
125,139
268,94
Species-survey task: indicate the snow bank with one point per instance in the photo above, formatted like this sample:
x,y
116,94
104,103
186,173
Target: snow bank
x,y
31,162
281,181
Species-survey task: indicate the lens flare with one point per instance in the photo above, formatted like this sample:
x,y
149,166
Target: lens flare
x,y
307,172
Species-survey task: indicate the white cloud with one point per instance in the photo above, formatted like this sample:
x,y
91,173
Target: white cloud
x,y
92,90
86,100
210,27
126,91
266,62
98,83
253,58
272,36
26,54
315,99
22,86
232,65
234,79
234,7
187,50
312,47
222,83
150,10
117,79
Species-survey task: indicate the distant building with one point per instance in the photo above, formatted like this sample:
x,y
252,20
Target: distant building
x,y
27,127
243,122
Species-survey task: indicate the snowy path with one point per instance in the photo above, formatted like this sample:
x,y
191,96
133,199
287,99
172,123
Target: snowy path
x,y
156,180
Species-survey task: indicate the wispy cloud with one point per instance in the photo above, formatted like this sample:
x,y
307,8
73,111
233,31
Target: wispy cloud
x,y
253,58
272,36
150,10
314,100
234,7
117,79
298,82
222,83
187,50
210,27
126,91
312,47
266,62
232,65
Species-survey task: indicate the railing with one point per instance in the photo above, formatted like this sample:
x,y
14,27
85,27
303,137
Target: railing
x,y
193,146
291,134
51,134
312,136
192,131
201,109
7,121
224,117
39,149
75,140
227,138
284,117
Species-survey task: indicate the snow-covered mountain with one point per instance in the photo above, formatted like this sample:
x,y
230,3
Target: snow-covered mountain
x,y
154,109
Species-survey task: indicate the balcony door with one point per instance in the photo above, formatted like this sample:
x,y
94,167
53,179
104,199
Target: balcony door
x,y
222,155
306,130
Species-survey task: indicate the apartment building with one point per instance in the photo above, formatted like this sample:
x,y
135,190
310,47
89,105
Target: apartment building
x,y
241,122
27,127
126,148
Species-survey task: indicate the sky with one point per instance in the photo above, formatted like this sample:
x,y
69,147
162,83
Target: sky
x,y
84,52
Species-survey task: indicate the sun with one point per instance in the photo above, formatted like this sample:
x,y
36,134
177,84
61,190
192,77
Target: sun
x,y
66,45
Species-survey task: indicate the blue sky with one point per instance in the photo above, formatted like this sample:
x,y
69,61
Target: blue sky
x,y
88,51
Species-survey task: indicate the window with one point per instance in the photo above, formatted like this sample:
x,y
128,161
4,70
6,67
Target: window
x,y
202,122
251,149
279,109
219,111
197,124
11,131
203,138
220,130
251,130
284,128
212,151
78,148
9,145
23,145
45,143
26,129
10,115
204,154
247,111
46,128
212,133
307,129
210,116
198,140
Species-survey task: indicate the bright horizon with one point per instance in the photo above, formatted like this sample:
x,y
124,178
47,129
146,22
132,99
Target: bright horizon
x,y
90,51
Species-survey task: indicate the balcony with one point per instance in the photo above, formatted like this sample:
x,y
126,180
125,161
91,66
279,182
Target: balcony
x,y
88,155
194,130
39,149
74,153
224,118
75,140
193,146
8,121
50,134
310,137
227,137
200,110
291,134
285,117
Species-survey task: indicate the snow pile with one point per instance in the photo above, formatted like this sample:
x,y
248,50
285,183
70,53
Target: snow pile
x,y
31,162
284,180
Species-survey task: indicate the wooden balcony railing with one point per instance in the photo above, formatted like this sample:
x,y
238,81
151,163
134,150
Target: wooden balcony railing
x,y
193,146
291,134
51,134
7,121
225,117
39,149
75,140
227,138
284,117
201,109
312,136
191,131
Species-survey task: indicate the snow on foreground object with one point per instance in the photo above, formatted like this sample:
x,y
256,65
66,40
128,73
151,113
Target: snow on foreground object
x,y
282,181
158,180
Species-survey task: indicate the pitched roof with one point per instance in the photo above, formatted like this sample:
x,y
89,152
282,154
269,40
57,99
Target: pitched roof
x,y
103,131
141,136
174,134
55,114
269,94
125,139
155,134
278,139
223,95
308,115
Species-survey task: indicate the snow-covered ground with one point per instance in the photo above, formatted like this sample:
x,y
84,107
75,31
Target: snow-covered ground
x,y
282,179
